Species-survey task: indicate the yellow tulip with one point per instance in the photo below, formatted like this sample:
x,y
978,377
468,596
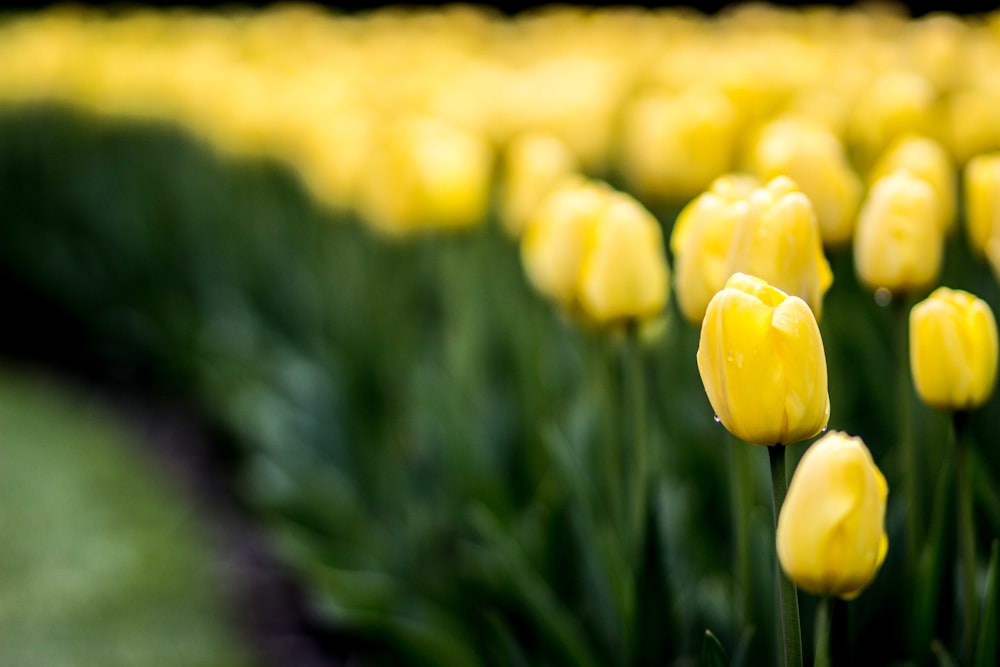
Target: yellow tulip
x,y
624,272
534,164
926,159
554,242
982,200
701,240
814,159
898,242
953,350
762,363
831,536
778,240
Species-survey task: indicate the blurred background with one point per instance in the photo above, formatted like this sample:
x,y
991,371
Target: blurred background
x,y
275,390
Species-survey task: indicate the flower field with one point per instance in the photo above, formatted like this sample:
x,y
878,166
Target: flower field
x,y
573,337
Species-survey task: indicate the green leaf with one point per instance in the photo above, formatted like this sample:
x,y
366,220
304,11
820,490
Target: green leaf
x,y
712,653
944,658
505,563
986,641
929,563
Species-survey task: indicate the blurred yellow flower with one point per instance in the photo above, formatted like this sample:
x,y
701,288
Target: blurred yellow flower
x,y
624,274
762,363
814,159
831,536
778,241
554,242
953,350
701,240
982,200
926,159
534,163
673,146
896,103
898,241
427,173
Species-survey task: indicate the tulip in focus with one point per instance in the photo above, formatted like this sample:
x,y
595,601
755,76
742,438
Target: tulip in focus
x,y
534,164
701,240
762,363
624,274
898,242
814,159
926,159
831,536
778,240
953,350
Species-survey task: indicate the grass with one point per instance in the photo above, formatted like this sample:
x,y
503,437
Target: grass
x,y
101,563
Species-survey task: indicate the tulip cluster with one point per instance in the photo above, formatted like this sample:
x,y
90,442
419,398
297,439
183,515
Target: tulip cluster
x,y
769,232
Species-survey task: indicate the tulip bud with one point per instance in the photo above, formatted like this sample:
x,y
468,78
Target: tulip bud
x,y
762,363
982,200
814,158
534,164
831,536
926,159
555,239
778,241
898,242
953,350
701,240
624,273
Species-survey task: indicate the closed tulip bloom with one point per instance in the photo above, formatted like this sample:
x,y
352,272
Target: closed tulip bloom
x,y
814,158
554,242
831,536
778,240
762,363
926,159
535,163
982,200
701,240
624,273
898,242
953,350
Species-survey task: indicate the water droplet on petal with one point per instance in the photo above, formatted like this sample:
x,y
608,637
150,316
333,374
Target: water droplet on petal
x,y
716,418
883,296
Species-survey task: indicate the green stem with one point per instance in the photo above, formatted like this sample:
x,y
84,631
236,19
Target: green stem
x,y
742,479
822,633
637,467
791,631
966,529
911,464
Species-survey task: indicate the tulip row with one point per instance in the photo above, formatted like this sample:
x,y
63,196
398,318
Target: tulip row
x,y
667,100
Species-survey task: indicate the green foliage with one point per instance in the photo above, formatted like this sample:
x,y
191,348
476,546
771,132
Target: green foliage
x,y
712,654
435,450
